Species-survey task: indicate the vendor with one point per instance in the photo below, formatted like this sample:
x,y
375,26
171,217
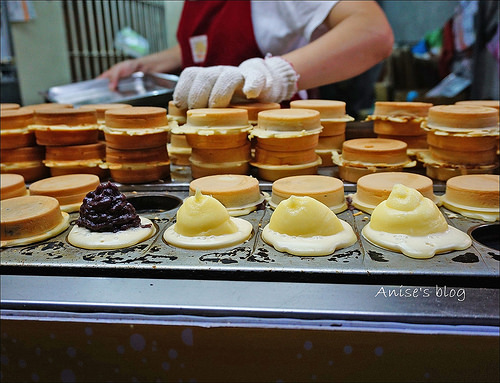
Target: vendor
x,y
265,50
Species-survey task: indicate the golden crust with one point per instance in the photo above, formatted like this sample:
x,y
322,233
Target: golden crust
x,y
216,155
16,119
65,116
140,173
328,109
274,172
474,191
16,138
216,118
288,143
254,108
125,140
373,188
63,186
409,128
59,137
102,108
137,117
328,190
289,120
374,151
26,154
400,111
119,156
29,216
199,169
296,157
76,152
232,190
12,185
462,117
221,141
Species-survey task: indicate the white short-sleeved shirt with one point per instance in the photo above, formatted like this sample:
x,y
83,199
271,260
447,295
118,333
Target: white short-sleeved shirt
x,y
299,23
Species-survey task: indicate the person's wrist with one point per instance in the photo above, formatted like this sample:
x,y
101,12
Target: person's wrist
x,y
285,71
138,66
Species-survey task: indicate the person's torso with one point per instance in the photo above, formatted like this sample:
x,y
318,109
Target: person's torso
x,y
216,33
229,32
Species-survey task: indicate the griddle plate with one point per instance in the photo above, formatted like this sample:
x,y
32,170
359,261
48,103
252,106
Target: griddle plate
x,y
252,259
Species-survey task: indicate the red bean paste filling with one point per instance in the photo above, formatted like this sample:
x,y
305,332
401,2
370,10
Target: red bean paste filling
x,y
107,210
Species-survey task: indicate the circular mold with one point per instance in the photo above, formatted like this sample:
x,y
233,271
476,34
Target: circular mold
x,y
486,235
154,203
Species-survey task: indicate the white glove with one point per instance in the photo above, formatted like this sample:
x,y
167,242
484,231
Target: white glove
x,y
272,79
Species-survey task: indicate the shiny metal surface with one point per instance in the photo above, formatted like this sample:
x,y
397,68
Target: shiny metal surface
x,y
139,89
222,298
254,259
362,282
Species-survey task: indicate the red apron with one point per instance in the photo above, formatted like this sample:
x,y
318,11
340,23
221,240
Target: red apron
x,y
216,33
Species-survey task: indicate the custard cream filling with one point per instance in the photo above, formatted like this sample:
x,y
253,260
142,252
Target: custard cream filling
x,y
426,157
344,118
217,165
328,151
464,132
401,117
7,132
288,167
135,131
6,166
368,207
176,120
339,161
412,224
64,127
262,133
67,164
178,149
133,166
211,130
202,222
305,226
336,208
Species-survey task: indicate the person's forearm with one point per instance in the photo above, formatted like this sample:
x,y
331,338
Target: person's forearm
x,y
359,38
166,61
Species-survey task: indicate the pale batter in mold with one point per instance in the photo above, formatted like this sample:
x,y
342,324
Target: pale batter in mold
x,y
204,223
108,221
412,224
306,227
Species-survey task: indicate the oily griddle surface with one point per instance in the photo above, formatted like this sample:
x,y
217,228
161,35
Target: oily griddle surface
x,y
254,259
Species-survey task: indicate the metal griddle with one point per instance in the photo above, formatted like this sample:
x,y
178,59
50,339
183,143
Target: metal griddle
x,y
362,262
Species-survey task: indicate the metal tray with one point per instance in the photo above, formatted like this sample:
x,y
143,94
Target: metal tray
x,y
254,259
139,89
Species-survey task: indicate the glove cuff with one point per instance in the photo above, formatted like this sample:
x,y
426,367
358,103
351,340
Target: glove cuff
x,y
288,78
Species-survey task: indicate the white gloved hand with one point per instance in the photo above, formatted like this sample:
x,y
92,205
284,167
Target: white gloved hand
x,y
272,79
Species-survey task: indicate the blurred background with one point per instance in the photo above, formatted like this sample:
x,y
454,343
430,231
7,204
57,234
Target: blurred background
x,y
444,50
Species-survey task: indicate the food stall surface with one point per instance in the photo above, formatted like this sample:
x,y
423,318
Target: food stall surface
x,y
153,312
